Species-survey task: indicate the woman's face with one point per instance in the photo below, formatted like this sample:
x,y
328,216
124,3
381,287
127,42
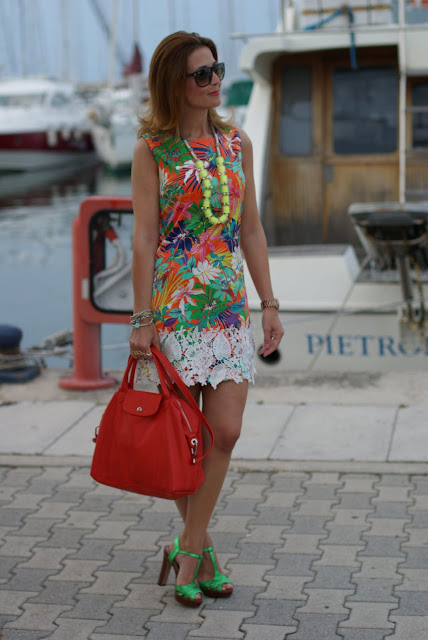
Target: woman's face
x,y
203,97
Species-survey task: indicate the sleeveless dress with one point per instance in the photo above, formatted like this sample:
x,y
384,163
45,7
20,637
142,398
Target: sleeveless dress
x,y
199,297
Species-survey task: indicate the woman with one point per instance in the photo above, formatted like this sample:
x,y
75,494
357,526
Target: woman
x,y
191,219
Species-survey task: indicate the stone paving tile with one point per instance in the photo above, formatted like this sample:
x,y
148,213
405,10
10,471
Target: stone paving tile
x,y
36,527
384,546
221,624
243,599
386,527
275,612
249,574
365,634
45,559
111,582
116,636
64,537
92,607
78,571
79,519
301,543
13,634
13,517
58,593
255,553
342,534
239,507
374,614
20,477
143,596
38,617
127,621
27,500
7,565
326,601
309,524
412,604
168,631
268,534
75,629
332,578
28,579
391,510
417,558
293,564
273,515
110,530
11,601
374,590
338,555
173,612
266,631
19,545
94,550
410,627
317,626
281,588
413,580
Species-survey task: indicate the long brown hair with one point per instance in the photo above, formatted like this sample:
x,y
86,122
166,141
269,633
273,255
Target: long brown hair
x,y
167,75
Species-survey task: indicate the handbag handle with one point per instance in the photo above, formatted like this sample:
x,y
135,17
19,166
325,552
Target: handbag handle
x,y
165,370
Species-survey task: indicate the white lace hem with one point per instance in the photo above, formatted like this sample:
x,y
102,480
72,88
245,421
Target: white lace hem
x,y
204,357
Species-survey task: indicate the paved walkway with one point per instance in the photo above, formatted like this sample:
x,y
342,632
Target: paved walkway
x,y
322,522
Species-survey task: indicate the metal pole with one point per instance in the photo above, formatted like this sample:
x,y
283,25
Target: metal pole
x,y
113,37
402,141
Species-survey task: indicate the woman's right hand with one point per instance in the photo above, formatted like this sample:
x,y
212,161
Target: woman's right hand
x,y
141,341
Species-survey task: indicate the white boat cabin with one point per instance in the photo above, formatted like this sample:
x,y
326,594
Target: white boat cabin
x,y
338,114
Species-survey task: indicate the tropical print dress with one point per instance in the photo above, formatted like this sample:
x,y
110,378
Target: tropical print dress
x,y
199,298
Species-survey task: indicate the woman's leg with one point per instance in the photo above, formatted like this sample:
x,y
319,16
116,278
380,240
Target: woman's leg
x,y
223,408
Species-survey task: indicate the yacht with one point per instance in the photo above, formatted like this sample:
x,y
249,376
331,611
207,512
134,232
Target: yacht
x,y
43,124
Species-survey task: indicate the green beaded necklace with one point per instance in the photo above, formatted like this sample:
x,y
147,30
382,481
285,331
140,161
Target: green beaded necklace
x,y
206,185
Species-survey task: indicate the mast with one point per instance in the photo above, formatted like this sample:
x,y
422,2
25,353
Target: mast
x,y
402,102
113,46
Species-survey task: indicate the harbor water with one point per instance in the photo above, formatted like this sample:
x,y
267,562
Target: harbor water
x,y
36,214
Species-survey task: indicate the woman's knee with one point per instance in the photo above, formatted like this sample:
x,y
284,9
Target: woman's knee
x,y
226,438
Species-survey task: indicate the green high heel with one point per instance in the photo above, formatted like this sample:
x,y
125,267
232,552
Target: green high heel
x,y
214,588
184,593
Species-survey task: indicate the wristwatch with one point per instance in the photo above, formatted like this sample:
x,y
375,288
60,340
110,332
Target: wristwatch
x,y
274,302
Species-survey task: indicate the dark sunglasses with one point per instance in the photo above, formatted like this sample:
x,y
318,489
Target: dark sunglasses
x,y
203,75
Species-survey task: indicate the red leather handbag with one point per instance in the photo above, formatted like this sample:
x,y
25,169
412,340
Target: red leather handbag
x,y
151,443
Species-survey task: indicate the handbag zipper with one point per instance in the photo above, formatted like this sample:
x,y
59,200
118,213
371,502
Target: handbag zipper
x,y
194,441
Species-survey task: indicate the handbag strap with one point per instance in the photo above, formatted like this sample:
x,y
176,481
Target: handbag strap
x,y
164,366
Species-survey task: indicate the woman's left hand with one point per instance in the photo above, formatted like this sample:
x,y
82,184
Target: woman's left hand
x,y
272,331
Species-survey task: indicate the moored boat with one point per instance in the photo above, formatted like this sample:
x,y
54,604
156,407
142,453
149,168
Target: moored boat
x,y
43,124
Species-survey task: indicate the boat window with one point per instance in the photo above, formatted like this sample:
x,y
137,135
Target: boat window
x,y
420,120
21,100
58,100
295,137
365,118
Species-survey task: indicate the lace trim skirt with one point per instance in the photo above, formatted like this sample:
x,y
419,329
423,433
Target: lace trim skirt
x,y
204,357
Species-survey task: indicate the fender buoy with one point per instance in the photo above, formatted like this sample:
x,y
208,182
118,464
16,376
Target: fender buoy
x,y
10,338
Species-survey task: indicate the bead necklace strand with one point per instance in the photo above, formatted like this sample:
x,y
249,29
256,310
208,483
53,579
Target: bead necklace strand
x,y
207,184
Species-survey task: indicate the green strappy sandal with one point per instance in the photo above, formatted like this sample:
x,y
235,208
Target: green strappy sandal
x,y
184,593
213,588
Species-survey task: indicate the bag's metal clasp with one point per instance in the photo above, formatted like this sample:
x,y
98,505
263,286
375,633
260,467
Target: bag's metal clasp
x,y
94,439
194,449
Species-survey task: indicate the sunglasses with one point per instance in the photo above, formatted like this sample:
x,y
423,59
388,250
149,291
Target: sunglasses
x,y
203,75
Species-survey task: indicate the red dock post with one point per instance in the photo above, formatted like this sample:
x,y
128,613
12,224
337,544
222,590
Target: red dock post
x,y
87,320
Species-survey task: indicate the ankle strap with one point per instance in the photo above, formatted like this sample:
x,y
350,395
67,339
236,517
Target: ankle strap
x,y
176,550
207,549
